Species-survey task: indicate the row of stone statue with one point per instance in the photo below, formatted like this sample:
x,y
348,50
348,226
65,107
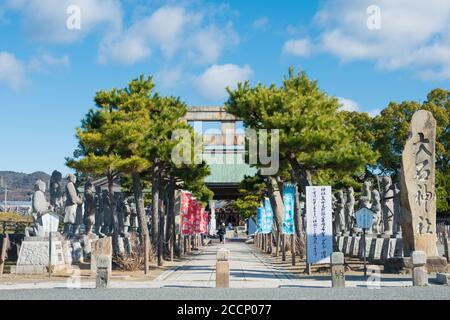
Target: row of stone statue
x,y
92,208
385,206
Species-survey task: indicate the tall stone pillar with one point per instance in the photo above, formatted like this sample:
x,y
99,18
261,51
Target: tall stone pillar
x,y
228,129
418,197
213,222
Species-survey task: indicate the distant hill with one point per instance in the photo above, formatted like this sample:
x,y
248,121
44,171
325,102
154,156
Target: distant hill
x,y
21,184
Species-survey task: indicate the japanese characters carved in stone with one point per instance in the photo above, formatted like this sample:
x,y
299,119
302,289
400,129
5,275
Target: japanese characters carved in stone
x,y
418,198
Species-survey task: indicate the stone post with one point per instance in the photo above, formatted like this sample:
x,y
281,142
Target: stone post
x,y
103,272
223,269
419,270
337,270
100,247
4,247
446,246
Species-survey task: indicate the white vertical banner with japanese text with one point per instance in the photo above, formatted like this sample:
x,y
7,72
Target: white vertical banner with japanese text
x,y
319,224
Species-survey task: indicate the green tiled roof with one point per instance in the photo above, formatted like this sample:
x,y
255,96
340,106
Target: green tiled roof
x,y
232,170
229,173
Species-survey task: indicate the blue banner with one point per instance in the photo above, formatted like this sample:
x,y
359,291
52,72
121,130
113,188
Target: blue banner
x,y
259,219
267,221
289,190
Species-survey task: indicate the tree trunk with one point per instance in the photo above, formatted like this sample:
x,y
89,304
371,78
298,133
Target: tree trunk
x,y
301,175
301,246
140,209
161,210
276,200
155,203
170,223
114,217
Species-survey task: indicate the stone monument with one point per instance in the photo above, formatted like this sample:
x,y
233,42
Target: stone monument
x,y
107,213
72,202
39,209
376,208
56,190
350,209
89,207
366,196
340,211
34,254
387,205
98,210
418,197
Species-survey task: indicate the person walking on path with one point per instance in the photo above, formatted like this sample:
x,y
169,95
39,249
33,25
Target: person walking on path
x,y
222,232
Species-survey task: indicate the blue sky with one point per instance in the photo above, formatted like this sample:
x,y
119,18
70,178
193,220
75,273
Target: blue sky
x,y
367,53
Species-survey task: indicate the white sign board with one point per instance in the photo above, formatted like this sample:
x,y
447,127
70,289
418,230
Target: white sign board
x,y
319,224
50,222
364,218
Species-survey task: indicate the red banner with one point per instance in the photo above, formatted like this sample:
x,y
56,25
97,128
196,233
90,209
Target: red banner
x,y
194,218
186,213
205,221
197,209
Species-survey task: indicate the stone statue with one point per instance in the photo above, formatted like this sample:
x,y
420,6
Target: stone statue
x,y
80,209
366,196
39,208
107,213
120,212
340,211
127,217
98,211
56,190
376,208
89,207
397,210
387,204
350,209
133,216
334,218
72,202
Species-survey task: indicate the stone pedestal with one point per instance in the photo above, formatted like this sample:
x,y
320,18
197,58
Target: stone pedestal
x,y
419,271
103,272
101,247
223,269
337,270
34,256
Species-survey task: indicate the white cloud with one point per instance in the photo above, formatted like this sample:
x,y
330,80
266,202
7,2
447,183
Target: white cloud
x,y
297,47
261,23
348,105
168,78
414,35
45,62
213,82
172,30
12,71
353,106
45,20
126,48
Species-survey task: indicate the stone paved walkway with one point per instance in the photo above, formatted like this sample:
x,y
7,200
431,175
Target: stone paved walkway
x,y
247,269
251,269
